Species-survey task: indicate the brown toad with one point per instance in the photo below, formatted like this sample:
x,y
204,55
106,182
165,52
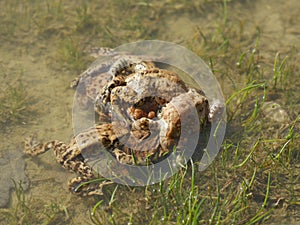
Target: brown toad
x,y
89,84
148,108
158,138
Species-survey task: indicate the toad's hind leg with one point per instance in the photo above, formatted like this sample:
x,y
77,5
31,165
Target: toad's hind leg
x,y
33,148
69,156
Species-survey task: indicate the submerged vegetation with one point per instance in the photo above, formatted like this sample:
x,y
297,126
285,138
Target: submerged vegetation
x,y
25,212
14,99
254,179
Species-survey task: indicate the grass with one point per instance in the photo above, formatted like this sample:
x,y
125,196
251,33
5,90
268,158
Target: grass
x,y
280,70
14,99
247,175
85,19
241,189
255,177
24,213
13,104
187,199
70,55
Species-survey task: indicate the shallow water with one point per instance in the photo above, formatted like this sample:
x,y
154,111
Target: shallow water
x,y
43,43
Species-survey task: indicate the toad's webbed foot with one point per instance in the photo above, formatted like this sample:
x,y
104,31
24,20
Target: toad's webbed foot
x,y
86,187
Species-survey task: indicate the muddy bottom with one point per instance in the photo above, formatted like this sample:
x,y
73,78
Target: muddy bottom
x,y
42,47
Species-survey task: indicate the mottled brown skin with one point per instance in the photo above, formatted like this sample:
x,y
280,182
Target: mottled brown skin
x,y
70,157
142,112
91,82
